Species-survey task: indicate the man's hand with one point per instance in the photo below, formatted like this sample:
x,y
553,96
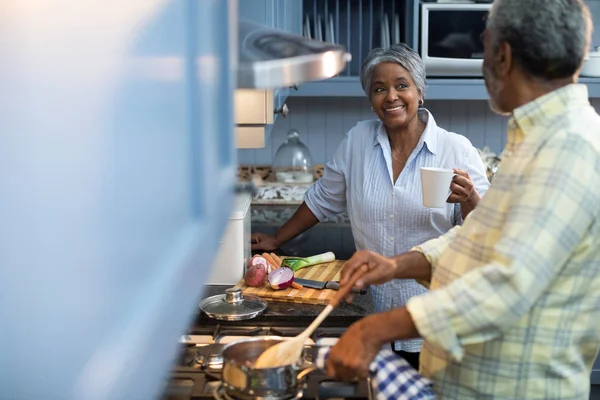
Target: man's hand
x,y
380,269
353,353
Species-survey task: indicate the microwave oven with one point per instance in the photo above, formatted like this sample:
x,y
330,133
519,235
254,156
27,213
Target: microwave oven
x,y
451,38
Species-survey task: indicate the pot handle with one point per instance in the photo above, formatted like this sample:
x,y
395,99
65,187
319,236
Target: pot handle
x,y
306,371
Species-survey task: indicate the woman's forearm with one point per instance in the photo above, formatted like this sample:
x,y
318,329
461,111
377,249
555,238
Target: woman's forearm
x,y
412,265
302,220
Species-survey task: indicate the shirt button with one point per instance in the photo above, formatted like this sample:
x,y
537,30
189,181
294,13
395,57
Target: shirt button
x,y
391,216
391,238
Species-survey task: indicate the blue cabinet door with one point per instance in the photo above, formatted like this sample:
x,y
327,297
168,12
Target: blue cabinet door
x,y
117,169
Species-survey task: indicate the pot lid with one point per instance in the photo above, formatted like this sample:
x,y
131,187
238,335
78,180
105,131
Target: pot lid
x,y
233,305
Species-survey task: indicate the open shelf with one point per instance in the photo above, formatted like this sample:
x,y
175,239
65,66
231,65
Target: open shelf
x,y
437,89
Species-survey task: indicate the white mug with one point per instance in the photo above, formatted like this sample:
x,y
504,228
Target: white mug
x,y
435,183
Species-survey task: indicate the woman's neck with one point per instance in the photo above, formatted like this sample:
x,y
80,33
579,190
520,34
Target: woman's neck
x,y
407,136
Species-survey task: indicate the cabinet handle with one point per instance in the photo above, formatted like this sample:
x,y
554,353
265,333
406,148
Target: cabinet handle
x,y
295,87
284,110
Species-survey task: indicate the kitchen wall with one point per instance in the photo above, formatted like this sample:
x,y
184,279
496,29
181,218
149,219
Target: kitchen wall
x,y
323,121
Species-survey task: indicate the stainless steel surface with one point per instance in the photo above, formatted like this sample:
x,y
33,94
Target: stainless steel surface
x,y
243,381
270,59
220,393
233,306
233,295
325,285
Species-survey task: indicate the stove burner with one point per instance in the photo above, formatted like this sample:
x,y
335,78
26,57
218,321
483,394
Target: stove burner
x,y
220,393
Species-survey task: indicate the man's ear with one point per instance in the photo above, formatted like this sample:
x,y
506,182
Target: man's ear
x,y
504,60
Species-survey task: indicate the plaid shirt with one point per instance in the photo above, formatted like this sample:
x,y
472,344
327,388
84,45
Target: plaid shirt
x,y
392,378
514,306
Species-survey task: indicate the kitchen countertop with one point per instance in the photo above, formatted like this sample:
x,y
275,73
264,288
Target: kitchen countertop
x,y
333,235
292,313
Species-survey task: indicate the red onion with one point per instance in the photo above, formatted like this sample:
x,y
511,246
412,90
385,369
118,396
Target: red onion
x,y
281,278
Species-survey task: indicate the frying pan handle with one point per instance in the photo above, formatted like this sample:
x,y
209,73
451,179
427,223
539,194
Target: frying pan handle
x,y
347,288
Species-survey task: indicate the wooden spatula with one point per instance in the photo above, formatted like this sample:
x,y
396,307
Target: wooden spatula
x,y
290,350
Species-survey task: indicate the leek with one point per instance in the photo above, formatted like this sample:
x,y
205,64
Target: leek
x,y
297,263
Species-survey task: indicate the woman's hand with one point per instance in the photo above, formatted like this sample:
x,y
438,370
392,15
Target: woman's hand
x,y
462,187
463,192
262,241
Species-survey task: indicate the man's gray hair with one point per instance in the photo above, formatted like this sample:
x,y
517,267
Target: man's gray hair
x,y
548,38
400,54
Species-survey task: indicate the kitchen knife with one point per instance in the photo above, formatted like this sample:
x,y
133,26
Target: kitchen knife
x,y
325,285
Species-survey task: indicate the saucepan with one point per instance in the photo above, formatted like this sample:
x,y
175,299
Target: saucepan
x,y
240,380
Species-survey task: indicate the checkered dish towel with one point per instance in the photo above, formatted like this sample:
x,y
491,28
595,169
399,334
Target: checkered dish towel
x,y
392,377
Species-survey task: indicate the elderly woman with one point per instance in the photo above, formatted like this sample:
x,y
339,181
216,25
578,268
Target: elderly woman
x,y
374,176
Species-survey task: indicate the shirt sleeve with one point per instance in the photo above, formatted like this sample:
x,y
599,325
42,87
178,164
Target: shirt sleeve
x,y
327,197
554,204
433,249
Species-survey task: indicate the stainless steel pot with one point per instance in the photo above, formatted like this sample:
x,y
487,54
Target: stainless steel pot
x,y
241,380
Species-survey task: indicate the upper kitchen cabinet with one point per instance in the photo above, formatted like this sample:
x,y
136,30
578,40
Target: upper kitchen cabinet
x,y
452,72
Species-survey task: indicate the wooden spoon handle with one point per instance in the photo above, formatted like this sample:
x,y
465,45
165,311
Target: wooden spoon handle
x,y
345,290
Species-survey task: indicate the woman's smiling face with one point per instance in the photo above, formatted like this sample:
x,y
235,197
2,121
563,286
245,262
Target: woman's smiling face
x,y
394,95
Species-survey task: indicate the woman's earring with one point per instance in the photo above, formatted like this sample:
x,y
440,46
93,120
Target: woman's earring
x,y
421,103
372,109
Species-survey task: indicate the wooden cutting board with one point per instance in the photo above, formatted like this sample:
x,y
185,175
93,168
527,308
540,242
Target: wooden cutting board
x,y
320,272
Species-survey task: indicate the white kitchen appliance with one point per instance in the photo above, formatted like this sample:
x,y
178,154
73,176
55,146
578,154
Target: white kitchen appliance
x,y
234,246
451,42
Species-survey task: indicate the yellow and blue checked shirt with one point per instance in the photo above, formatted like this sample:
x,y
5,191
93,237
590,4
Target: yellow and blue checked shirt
x,y
514,306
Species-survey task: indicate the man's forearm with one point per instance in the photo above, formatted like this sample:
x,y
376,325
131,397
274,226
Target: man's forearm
x,y
412,265
302,220
389,326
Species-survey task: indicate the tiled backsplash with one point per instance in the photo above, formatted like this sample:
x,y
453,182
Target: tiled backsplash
x,y
323,122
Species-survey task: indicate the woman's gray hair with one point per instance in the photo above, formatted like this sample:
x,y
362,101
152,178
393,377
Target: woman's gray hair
x,y
548,38
400,54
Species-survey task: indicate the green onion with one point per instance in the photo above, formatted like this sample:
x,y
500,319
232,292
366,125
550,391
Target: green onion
x,y
297,263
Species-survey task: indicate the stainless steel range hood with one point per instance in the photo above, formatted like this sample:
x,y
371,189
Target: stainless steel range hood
x,y
270,59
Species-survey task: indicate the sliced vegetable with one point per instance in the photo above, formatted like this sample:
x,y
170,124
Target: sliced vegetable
x,y
281,278
296,285
297,263
260,260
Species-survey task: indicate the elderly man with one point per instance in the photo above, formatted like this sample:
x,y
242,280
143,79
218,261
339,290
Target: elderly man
x,y
514,304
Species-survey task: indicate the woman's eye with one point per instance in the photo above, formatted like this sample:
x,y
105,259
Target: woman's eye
x,y
378,90
402,86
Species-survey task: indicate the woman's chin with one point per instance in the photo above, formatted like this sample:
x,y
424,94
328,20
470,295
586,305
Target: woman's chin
x,y
396,122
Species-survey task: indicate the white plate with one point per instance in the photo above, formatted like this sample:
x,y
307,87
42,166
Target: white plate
x,y
330,30
385,32
396,32
306,32
319,28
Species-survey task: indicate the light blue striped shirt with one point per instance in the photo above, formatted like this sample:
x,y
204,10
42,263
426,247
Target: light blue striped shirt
x,y
386,217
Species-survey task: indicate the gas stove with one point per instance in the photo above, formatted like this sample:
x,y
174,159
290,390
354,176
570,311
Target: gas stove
x,y
197,372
